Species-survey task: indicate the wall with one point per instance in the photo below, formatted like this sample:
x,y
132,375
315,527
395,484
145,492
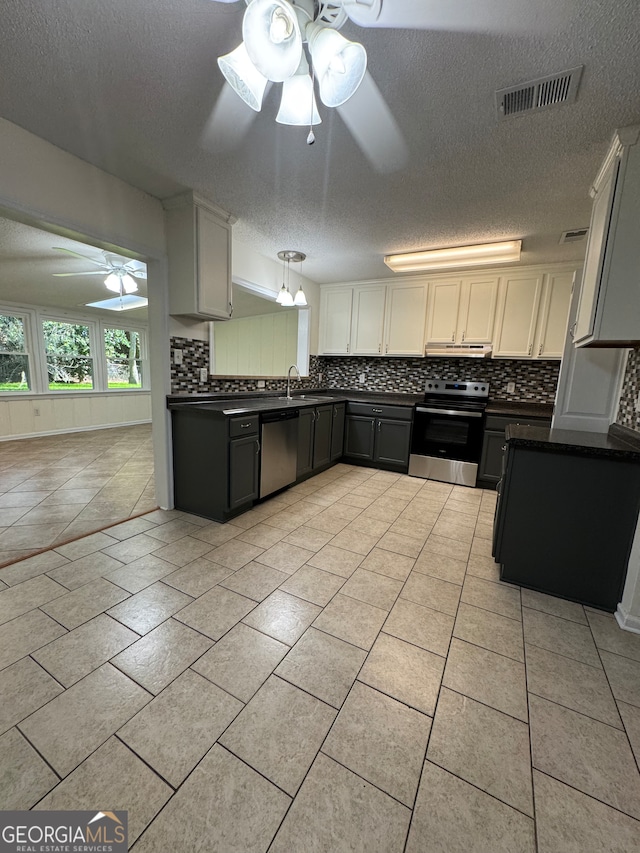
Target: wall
x,y
534,380
256,346
72,412
627,414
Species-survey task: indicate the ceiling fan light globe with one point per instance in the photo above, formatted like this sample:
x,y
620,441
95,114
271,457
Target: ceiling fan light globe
x,y
272,37
339,64
298,104
112,282
128,284
243,77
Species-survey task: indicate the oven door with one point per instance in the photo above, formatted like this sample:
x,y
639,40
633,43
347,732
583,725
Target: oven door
x,y
446,444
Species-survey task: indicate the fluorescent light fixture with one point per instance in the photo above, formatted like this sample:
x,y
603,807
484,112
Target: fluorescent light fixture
x,y
120,303
458,256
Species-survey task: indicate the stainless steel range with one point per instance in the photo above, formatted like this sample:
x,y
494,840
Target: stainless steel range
x,y
446,442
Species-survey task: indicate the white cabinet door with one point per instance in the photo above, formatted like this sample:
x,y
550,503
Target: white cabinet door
x,y
367,335
335,320
517,314
442,313
213,265
477,310
406,310
554,315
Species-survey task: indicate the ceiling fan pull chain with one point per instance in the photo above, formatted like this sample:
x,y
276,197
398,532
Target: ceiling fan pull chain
x,y
311,138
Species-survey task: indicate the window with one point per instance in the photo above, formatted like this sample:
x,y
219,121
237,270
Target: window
x,y
68,355
124,363
15,373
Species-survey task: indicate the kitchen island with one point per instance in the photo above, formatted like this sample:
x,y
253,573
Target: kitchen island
x,y
567,512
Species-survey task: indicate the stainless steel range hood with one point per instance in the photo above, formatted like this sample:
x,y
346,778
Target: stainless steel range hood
x,y
459,350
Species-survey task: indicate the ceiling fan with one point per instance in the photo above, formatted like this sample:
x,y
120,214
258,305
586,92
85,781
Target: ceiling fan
x,y
120,272
272,51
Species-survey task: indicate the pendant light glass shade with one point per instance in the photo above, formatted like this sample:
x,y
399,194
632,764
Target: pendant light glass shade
x,y
298,103
272,37
339,64
243,77
300,299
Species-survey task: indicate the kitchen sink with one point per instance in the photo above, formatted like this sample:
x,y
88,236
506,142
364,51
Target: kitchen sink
x,y
306,398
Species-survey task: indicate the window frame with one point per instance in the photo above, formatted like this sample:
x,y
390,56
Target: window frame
x,y
33,318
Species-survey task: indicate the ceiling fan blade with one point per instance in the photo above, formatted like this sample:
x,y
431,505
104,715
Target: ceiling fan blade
x,y
499,16
374,128
78,255
228,123
67,274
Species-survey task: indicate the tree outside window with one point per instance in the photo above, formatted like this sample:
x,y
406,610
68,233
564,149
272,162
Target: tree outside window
x,y
122,349
68,355
14,359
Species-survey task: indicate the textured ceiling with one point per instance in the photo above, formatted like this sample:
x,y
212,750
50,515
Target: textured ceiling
x,y
131,87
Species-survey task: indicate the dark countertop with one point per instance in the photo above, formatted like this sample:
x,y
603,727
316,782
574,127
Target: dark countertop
x,y
614,444
251,401
524,409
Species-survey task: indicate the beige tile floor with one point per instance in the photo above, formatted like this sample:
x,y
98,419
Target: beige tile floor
x,y
338,669
57,488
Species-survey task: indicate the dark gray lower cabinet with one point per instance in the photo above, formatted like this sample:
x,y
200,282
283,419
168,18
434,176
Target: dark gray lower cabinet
x,y
382,438
244,471
337,431
493,444
315,439
215,462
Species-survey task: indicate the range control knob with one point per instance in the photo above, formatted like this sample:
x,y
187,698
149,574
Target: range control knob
x,y
475,388
483,388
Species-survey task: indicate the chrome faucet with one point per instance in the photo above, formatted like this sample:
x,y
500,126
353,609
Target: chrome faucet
x,y
293,367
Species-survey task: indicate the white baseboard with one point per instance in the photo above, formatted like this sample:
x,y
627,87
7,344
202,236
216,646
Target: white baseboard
x,y
627,621
73,429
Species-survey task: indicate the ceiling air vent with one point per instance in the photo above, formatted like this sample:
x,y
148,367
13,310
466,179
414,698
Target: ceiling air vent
x,y
539,94
573,236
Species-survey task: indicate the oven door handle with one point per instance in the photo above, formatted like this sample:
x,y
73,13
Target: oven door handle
x,y
421,409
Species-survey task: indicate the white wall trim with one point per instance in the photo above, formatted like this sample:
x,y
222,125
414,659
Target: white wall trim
x,y
626,620
72,429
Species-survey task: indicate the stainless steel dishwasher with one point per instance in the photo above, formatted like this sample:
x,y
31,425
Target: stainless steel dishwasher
x,y
279,456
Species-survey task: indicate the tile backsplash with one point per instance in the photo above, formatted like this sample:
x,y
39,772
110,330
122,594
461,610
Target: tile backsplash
x,y
627,414
534,380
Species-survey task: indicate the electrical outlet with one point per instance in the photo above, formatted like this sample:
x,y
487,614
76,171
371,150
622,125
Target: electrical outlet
x,y
511,387
177,356
203,374
36,413
638,403
361,379
320,375
261,383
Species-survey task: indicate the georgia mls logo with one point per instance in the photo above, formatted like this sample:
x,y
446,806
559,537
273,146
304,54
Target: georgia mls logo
x,y
63,832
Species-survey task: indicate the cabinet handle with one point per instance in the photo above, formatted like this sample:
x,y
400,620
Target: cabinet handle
x,y
257,447
572,331
540,350
379,347
379,425
231,309
377,411
463,334
386,349
335,412
530,348
347,347
453,337
245,426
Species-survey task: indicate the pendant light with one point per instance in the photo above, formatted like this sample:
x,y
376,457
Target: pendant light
x,y
284,296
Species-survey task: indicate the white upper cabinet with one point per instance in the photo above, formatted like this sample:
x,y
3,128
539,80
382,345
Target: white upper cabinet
x,y
335,320
406,310
554,315
609,307
477,310
199,257
516,316
462,311
368,320
444,305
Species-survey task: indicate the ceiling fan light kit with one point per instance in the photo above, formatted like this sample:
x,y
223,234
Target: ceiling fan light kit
x,y
274,33
507,251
